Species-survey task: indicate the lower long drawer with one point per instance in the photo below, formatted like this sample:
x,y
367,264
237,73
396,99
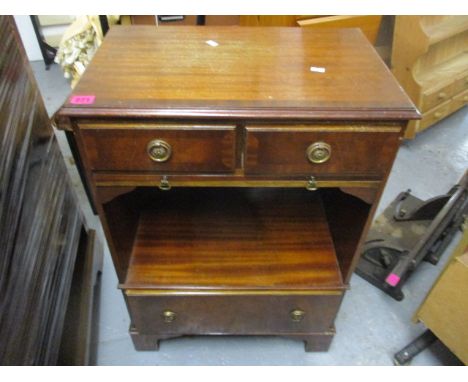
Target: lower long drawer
x,y
241,314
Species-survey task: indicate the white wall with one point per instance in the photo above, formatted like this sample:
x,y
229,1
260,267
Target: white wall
x,y
28,37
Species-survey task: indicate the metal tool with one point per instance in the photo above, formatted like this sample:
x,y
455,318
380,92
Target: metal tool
x,y
409,231
405,355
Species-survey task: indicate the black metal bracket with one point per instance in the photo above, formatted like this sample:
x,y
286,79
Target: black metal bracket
x,y
409,231
104,24
405,355
413,210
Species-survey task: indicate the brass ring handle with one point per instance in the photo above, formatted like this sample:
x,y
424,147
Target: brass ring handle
x,y
297,315
169,316
159,150
318,152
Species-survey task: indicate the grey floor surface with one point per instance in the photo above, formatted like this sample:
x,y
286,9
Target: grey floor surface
x,y
370,326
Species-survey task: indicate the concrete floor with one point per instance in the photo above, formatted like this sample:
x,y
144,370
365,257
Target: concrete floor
x,y
370,326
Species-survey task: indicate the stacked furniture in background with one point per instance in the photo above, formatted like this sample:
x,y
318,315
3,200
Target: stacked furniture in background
x,y
368,24
430,60
46,250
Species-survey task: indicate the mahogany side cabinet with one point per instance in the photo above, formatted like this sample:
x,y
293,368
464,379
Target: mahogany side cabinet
x,y
235,171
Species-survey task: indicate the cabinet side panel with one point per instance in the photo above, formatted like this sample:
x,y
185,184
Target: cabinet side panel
x,y
347,216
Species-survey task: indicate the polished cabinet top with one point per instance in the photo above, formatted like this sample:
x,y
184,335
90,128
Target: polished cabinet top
x,y
238,72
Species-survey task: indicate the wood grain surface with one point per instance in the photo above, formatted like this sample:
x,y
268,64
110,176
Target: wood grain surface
x,y
233,314
237,238
233,248
40,218
194,148
254,72
282,150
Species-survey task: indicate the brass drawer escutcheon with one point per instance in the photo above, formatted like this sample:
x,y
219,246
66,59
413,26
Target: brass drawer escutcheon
x,y
169,316
159,150
318,152
297,315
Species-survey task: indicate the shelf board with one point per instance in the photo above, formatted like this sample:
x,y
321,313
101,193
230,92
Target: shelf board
x,y
242,239
446,28
444,73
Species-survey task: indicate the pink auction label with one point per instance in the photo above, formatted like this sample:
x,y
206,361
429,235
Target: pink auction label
x,y
82,99
392,279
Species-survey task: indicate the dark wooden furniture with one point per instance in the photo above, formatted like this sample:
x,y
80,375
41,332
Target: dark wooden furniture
x,y
78,344
235,171
49,258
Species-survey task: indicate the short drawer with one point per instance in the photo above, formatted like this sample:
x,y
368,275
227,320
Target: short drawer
x,y
433,97
159,148
443,110
320,150
233,314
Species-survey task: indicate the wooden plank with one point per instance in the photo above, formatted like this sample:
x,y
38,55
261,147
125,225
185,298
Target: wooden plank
x,y
40,220
241,239
79,345
369,25
444,310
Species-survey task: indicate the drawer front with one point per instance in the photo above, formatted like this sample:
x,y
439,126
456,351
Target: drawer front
x,y
432,98
233,314
461,99
160,149
445,109
303,151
